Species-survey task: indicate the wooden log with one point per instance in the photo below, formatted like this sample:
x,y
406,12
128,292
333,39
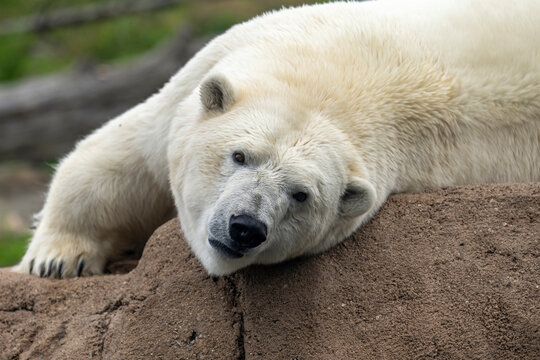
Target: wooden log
x,y
41,119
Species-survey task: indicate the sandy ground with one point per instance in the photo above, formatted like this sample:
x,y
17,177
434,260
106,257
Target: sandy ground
x,y
448,274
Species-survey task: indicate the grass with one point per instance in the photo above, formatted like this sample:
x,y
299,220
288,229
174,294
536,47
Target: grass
x,y
111,40
10,9
12,248
30,54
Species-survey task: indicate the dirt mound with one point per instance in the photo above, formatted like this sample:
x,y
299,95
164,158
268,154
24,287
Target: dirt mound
x,y
447,274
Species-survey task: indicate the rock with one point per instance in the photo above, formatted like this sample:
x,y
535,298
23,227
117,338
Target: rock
x,y
435,275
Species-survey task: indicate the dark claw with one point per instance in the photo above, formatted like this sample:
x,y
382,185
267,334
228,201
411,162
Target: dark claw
x,y
31,266
80,267
59,269
42,270
52,265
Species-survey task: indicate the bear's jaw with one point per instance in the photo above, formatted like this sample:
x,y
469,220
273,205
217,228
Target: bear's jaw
x,y
216,263
223,249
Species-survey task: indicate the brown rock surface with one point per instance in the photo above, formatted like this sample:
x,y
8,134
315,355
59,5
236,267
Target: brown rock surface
x,y
447,274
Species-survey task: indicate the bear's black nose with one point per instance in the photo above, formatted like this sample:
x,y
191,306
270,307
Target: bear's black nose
x,y
246,231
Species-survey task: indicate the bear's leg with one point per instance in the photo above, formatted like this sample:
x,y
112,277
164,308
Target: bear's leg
x,y
106,197
62,255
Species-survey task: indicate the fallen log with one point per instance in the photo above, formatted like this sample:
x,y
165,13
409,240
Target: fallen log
x,y
41,119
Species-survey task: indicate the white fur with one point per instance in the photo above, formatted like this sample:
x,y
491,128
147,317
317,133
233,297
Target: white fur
x,y
390,95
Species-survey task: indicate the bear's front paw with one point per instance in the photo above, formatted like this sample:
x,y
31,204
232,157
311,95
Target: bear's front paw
x,y
61,256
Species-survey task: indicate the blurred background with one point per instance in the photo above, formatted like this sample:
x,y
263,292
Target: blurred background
x,y
66,67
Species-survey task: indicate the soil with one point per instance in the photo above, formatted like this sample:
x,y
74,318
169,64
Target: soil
x,y
446,274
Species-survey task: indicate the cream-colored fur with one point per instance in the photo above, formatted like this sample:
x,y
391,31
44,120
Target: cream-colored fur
x,y
346,102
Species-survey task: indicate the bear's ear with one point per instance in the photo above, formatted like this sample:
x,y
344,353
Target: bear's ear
x,y
217,94
358,198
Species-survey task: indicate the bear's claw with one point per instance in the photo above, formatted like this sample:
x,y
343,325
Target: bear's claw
x,y
42,270
52,264
62,256
59,269
55,269
80,267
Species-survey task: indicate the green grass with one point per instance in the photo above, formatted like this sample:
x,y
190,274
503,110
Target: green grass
x,y
108,41
12,248
218,23
10,9
113,40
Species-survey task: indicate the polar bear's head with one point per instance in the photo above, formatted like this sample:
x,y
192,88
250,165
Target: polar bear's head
x,y
259,179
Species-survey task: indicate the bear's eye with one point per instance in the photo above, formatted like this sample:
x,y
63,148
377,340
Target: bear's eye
x,y
239,157
300,196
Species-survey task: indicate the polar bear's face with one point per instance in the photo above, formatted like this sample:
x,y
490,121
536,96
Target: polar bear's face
x,y
259,180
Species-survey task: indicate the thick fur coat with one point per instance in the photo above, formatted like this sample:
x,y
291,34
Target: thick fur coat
x,y
283,135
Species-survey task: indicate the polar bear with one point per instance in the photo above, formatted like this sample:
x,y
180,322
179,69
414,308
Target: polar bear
x,y
288,132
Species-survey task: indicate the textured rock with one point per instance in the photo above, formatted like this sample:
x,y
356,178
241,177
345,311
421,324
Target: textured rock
x,y
447,274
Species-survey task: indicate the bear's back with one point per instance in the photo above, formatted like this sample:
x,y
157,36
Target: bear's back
x,y
462,33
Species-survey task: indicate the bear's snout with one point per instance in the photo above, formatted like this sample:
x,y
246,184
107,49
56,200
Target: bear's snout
x,y
246,232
